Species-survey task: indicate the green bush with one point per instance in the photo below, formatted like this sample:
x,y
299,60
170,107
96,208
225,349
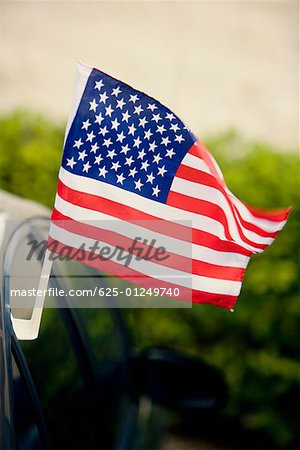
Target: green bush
x,y
257,346
30,155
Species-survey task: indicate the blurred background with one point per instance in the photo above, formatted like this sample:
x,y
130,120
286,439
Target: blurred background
x,y
229,69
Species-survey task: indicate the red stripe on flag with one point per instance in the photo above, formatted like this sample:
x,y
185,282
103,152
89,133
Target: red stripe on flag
x,y
174,261
120,211
213,242
202,207
115,239
137,278
207,209
201,152
277,216
199,177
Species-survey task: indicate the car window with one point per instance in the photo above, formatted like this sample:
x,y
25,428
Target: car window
x,y
83,392
27,433
63,395
78,365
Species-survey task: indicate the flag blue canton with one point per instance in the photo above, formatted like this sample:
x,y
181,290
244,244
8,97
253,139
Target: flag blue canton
x,y
125,138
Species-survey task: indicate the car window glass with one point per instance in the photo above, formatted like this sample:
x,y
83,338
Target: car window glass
x,y
26,428
59,384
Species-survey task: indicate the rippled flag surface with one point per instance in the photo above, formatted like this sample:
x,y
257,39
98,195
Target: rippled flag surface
x,y
127,160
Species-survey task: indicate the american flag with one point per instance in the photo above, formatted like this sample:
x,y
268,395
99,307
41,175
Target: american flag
x,y
129,159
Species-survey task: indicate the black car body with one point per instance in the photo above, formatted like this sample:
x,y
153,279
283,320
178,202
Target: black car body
x,y
81,385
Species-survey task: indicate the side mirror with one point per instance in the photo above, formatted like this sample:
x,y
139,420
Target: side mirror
x,y
178,382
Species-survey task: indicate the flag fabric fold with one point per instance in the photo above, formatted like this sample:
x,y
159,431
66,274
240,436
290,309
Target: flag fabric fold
x,y
129,159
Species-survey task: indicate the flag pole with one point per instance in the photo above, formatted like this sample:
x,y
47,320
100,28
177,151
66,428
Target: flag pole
x,y
28,329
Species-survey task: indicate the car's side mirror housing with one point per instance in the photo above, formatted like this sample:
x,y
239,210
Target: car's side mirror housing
x,y
178,382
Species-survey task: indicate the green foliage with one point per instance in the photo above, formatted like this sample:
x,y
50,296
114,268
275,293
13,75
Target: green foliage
x,y
30,154
257,346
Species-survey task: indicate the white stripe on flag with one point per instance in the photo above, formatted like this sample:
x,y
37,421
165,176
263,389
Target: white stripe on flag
x,y
132,230
215,196
148,268
265,224
160,210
